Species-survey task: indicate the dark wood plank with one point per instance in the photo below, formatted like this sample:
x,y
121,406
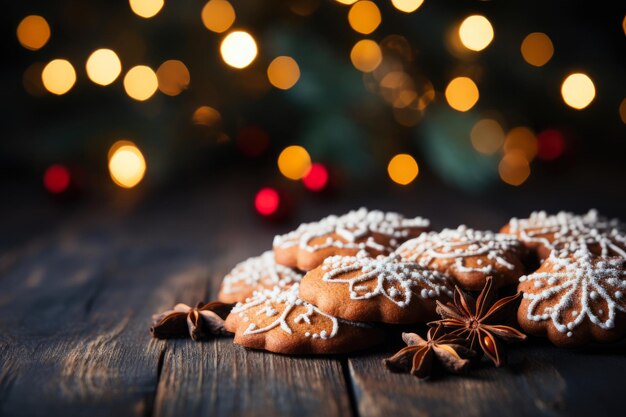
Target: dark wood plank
x,y
540,380
75,317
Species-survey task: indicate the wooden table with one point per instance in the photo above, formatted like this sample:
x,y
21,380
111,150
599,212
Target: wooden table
x,y
78,289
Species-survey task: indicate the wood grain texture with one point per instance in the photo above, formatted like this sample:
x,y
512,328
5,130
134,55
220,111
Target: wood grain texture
x,y
539,380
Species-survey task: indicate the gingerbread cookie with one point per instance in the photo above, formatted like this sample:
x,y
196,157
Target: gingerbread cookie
x,y
254,274
279,321
376,232
575,299
468,256
566,231
383,289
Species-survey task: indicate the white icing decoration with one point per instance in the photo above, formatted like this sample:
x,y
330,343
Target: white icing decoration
x,y
396,280
460,244
583,281
351,227
285,300
567,232
257,272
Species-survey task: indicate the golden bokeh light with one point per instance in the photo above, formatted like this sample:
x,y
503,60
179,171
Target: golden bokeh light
x,y
33,32
476,32
283,72
58,76
366,55
346,2
407,6
521,139
140,82
146,8
402,169
462,93
103,66
487,136
207,116
127,165
514,169
364,16
624,25
622,111
218,15
578,90
238,49
294,162
173,77
537,49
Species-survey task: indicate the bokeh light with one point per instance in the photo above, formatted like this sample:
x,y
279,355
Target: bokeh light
x,y
578,91
476,32
58,76
283,72
267,201
462,93
218,15
173,77
146,8
103,66
346,2
622,111
487,136
402,169
294,162
317,177
364,17
127,165
521,139
140,82
537,49
514,169
252,141
56,179
407,6
551,144
33,84
366,55
238,49
206,116
33,32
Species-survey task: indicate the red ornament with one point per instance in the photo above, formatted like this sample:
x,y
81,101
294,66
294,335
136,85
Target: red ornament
x,y
317,177
267,201
56,179
551,144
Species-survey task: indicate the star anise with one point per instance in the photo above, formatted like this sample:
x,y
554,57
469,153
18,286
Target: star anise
x,y
200,322
420,356
479,321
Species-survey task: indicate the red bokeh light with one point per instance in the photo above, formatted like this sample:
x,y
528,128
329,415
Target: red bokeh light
x,y
316,178
551,144
267,201
56,179
252,141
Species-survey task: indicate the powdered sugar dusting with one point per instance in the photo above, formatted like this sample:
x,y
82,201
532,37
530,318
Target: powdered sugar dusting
x,y
280,304
587,286
385,276
351,227
459,244
257,272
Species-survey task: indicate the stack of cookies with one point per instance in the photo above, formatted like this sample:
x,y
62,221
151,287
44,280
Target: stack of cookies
x,y
332,286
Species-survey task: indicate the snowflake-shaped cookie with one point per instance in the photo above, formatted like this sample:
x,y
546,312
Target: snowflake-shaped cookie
x,y
568,232
384,289
575,299
254,274
279,321
468,255
375,232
